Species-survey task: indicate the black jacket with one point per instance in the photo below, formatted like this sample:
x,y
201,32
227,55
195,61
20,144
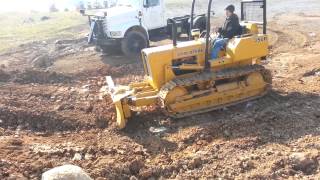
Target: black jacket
x,y
231,27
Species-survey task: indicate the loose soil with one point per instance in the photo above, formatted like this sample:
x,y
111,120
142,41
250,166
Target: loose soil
x,y
51,113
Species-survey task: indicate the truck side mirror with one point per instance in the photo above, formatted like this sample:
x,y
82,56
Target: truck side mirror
x,y
145,3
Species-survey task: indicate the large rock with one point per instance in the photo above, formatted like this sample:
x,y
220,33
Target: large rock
x,y
43,61
66,172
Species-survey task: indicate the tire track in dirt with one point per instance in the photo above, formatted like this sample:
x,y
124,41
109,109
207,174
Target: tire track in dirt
x,y
284,40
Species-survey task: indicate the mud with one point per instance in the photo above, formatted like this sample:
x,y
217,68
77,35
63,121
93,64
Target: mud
x,y
55,115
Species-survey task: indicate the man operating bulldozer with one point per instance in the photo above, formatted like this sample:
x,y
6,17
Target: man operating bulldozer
x,y
230,29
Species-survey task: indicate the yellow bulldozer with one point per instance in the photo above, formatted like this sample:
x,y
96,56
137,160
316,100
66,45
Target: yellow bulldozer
x,y
184,81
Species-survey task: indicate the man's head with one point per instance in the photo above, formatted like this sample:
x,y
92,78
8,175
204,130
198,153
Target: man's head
x,y
229,10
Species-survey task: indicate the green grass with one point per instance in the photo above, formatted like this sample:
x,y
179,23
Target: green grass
x,y
19,28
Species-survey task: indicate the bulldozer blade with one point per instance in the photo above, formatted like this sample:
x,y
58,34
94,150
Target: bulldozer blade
x,y
111,86
121,119
117,93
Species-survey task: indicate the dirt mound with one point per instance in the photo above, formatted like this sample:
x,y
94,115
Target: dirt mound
x,y
126,70
34,76
36,120
40,77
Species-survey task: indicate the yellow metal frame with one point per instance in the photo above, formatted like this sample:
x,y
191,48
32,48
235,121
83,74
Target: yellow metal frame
x,y
158,64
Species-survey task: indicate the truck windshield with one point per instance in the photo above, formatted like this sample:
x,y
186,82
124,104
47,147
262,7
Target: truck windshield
x,y
133,3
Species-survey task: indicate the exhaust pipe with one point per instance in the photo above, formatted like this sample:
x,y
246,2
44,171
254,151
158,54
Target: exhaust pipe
x,y
174,31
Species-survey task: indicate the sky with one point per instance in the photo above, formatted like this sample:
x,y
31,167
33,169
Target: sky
x,y
37,5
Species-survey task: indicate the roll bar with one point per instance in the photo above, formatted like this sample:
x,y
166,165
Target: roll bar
x,y
174,31
191,19
207,63
263,6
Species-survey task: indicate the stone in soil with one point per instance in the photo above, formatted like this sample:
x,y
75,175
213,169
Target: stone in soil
x,y
66,172
303,162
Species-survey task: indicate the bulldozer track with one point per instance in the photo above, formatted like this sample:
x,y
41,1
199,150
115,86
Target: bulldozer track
x,y
212,76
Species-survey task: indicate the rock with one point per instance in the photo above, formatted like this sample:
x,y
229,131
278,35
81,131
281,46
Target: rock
x,y
101,121
44,18
312,34
249,105
247,165
77,157
195,163
65,41
181,146
269,153
146,173
88,108
140,150
2,131
66,172
60,46
120,151
16,176
287,105
64,106
135,166
90,49
303,162
43,61
158,129
28,20
88,156
225,109
133,178
227,133
101,178
16,142
317,114
185,167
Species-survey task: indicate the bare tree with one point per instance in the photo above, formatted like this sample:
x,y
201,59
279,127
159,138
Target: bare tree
x,y
80,5
97,5
53,8
106,4
89,7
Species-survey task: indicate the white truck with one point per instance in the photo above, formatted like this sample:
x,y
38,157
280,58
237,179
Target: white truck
x,y
130,24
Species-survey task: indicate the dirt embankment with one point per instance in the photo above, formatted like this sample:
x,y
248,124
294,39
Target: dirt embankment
x,y
54,114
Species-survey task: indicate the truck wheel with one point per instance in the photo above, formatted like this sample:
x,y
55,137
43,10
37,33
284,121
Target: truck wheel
x,y
133,43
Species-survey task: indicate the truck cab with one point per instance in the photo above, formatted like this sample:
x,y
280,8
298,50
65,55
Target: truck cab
x,y
130,25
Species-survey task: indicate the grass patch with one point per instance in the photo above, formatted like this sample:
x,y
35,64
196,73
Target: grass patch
x,y
18,28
